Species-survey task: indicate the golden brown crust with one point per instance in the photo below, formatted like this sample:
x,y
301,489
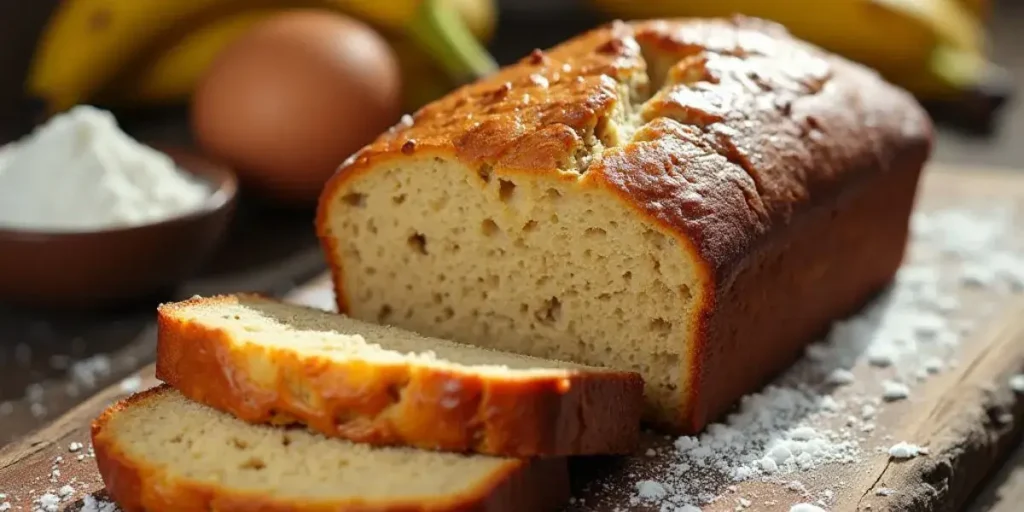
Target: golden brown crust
x,y
746,132
141,486
580,412
834,258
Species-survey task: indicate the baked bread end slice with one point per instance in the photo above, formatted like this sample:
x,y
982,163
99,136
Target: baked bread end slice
x,y
265,361
158,451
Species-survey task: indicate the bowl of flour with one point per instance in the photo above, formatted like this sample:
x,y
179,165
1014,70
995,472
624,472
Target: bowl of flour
x,y
89,215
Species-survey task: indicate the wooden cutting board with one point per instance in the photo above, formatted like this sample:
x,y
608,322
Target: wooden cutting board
x,y
967,416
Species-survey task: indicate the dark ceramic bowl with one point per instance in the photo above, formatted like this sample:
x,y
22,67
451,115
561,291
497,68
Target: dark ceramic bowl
x,y
88,269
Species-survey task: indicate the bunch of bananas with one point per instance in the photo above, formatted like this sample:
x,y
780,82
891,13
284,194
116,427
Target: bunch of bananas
x,y
153,52
933,48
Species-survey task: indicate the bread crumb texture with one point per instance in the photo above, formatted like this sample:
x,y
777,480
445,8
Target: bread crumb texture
x,y
172,442
266,361
258,322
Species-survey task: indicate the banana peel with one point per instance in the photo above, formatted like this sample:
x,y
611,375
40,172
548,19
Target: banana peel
x,y
132,53
981,9
87,43
934,48
172,75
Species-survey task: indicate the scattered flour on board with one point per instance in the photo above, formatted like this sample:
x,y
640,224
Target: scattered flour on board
x,y
908,334
905,450
805,507
131,384
48,502
80,172
649,489
82,375
89,371
56,490
892,390
1017,383
93,504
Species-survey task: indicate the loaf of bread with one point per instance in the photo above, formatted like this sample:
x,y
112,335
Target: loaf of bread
x,y
158,451
695,200
266,361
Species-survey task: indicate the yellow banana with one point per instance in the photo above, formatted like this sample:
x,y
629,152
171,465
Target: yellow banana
x,y
171,77
897,37
90,44
979,8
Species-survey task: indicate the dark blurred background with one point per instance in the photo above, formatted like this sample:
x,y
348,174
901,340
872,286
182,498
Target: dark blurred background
x,y
974,130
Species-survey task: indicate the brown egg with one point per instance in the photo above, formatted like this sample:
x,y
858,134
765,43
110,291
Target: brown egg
x,y
286,103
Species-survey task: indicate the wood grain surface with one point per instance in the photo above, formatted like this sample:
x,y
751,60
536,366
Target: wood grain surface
x,y
967,416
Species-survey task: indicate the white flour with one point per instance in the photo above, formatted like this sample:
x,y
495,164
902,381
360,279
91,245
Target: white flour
x,y
806,507
80,172
811,416
92,504
1017,383
904,450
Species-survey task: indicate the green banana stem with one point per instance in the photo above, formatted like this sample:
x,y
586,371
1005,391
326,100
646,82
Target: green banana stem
x,y
440,30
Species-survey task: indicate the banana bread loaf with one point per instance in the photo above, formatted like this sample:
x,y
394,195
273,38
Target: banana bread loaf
x,y
266,361
158,451
695,200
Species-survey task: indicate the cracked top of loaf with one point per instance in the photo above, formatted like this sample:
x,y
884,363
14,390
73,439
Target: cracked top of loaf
x,y
719,130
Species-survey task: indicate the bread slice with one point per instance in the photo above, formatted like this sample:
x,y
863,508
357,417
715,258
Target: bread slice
x,y
691,199
266,361
159,451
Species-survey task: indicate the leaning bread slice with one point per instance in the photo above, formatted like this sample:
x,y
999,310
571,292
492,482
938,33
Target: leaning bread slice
x,y
158,451
266,361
